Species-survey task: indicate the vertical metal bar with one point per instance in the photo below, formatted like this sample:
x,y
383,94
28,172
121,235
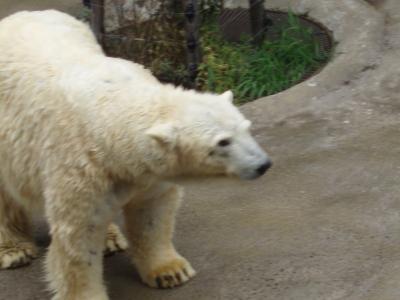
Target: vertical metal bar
x,y
86,3
97,20
257,20
192,23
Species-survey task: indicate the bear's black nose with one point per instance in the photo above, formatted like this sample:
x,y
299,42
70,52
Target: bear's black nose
x,y
264,167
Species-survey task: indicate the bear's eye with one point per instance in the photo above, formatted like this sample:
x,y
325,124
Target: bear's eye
x,y
224,142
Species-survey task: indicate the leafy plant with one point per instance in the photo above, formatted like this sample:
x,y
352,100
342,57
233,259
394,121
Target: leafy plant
x,y
253,72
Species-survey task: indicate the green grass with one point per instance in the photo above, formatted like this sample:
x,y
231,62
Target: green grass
x,y
252,72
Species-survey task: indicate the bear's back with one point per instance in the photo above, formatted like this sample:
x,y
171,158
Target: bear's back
x,y
45,37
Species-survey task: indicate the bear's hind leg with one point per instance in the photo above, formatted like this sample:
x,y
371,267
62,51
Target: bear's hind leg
x,y
16,244
150,225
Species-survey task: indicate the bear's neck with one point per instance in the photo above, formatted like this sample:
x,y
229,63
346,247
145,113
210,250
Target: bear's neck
x,y
120,123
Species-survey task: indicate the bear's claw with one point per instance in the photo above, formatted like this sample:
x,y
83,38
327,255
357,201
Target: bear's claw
x,y
172,274
115,241
18,255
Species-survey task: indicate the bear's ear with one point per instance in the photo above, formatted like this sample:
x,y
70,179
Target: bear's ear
x,y
228,95
245,125
165,134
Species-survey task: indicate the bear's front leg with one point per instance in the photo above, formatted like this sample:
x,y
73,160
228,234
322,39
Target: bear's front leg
x,y
78,215
150,225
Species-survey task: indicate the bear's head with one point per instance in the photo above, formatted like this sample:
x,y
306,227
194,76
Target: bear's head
x,y
209,136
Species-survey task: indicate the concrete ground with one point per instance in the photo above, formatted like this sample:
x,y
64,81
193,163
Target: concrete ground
x,y
324,223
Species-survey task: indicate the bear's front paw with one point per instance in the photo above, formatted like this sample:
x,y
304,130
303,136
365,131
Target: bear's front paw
x,y
170,274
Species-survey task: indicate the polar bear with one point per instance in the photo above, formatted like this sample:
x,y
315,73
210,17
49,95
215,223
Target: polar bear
x,y
84,136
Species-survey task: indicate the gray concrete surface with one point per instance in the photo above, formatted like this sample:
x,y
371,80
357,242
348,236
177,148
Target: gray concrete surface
x,y
324,223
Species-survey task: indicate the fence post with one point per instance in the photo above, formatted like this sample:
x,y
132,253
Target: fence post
x,y
257,20
97,19
192,23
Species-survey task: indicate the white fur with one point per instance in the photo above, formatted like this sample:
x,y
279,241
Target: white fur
x,y
83,135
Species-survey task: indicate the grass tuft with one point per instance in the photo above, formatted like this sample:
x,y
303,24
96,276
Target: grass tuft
x,y
253,72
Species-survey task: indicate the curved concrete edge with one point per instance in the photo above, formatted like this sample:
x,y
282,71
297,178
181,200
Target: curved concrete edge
x,y
358,30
